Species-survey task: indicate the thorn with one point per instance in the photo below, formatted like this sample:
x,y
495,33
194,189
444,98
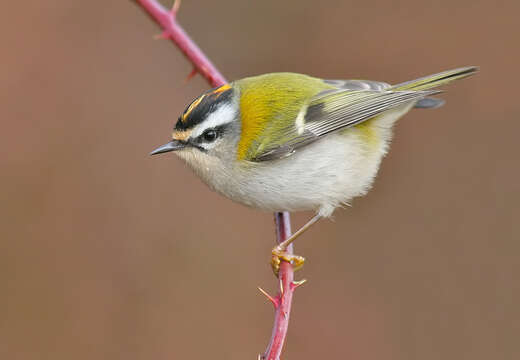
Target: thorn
x,y
162,36
175,7
296,284
191,75
273,300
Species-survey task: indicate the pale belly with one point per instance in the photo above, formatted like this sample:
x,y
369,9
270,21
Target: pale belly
x,y
320,177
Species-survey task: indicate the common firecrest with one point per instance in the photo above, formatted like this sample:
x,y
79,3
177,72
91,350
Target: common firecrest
x,y
291,142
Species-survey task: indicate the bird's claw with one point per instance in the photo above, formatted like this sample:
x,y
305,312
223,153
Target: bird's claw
x,y
280,254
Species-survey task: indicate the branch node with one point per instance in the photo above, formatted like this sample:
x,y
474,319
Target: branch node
x,y
208,73
162,36
296,284
175,7
274,300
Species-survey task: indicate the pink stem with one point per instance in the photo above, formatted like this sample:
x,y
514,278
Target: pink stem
x,y
173,31
285,294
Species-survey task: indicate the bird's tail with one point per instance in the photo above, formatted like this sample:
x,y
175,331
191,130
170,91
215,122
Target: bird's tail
x,y
433,81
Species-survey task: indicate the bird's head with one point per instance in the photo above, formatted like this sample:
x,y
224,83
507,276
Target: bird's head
x,y
208,127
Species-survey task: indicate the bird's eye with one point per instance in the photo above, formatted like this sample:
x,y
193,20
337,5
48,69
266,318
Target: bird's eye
x,y
210,135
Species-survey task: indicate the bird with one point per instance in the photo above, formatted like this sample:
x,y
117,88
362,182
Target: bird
x,y
293,142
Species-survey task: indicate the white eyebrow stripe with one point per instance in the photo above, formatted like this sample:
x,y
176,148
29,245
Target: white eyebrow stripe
x,y
225,114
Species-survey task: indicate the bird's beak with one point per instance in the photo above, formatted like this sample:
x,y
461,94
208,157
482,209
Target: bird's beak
x,y
171,146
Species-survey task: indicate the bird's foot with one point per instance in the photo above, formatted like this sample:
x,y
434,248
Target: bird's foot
x,y
280,254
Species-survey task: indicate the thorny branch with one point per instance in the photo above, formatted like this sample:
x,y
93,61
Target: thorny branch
x,y
202,65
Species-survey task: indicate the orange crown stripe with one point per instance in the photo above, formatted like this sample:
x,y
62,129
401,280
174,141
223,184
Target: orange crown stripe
x,y
221,89
191,107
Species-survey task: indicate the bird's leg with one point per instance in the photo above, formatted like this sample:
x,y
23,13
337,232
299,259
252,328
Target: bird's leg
x,y
279,252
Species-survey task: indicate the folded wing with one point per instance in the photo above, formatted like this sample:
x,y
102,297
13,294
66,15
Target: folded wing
x,y
332,111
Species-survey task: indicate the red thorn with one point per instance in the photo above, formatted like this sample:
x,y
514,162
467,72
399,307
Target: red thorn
x,y
162,36
296,284
275,301
191,75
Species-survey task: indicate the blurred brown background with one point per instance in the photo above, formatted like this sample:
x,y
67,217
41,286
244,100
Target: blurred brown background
x,y
106,253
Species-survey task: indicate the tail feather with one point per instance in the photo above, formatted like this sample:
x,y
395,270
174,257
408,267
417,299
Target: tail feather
x,y
433,81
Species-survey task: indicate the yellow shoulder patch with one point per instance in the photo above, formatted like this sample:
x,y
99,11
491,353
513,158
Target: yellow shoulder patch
x,y
269,104
256,111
